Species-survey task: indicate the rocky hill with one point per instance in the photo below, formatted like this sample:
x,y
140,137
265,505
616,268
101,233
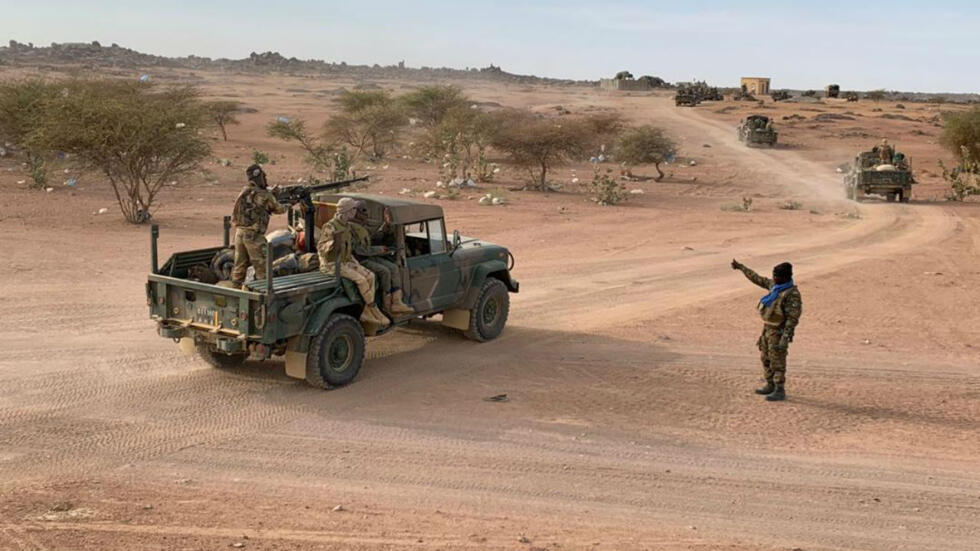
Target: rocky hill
x,y
95,55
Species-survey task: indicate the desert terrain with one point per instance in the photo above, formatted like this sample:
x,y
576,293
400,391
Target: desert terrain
x,y
629,359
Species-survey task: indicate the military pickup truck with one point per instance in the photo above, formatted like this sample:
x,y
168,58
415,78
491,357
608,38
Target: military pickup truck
x,y
756,130
311,319
870,176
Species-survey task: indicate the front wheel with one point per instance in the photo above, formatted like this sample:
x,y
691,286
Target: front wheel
x,y
217,359
489,315
336,353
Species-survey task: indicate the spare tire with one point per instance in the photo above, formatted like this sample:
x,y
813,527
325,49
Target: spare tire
x,y
222,263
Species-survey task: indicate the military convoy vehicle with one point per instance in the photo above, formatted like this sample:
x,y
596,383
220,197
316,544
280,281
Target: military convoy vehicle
x,y
757,130
833,90
686,97
311,319
870,176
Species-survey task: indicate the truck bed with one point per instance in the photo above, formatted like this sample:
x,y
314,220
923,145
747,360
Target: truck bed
x,y
310,281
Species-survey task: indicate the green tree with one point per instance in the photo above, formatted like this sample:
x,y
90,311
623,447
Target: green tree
x,y
961,135
645,145
876,95
137,135
294,130
429,105
539,144
22,106
224,113
369,122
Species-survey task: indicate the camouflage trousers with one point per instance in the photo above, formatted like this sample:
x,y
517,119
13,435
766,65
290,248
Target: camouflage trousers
x,y
386,271
251,248
361,276
773,359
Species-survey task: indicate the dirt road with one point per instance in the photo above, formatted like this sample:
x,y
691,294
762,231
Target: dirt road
x,y
628,361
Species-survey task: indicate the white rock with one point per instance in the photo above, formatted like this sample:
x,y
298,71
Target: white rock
x,y
103,210
498,201
49,189
429,194
636,192
574,180
693,163
496,170
180,125
21,182
440,184
486,200
405,191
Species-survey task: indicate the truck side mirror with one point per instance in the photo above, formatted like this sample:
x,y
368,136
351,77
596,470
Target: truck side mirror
x,y
456,241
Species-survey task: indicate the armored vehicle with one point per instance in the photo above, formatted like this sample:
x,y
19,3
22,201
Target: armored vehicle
x,y
686,97
833,90
757,130
870,176
311,319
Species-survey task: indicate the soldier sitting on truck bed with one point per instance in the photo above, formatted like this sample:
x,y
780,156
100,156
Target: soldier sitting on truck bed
x,y
373,257
337,241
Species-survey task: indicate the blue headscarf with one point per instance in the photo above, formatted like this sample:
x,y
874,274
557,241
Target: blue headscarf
x,y
776,289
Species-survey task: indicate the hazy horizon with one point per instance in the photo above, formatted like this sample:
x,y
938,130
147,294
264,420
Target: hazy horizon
x,y
897,45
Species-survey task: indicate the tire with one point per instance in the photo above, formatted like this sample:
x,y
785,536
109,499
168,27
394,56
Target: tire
x,y
904,196
489,315
336,353
890,196
217,359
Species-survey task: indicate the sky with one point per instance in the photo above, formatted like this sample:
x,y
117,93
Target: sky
x,y
919,46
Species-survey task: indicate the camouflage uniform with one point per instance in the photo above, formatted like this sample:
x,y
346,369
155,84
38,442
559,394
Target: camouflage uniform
x,y
779,319
253,207
386,270
337,240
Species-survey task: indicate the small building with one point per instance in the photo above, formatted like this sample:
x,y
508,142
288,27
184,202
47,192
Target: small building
x,y
756,85
641,85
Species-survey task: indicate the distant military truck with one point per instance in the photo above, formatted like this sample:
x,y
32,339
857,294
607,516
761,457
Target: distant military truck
x,y
311,319
757,130
869,175
780,95
686,97
833,90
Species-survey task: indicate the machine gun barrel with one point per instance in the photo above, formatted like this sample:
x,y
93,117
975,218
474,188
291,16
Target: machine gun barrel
x,y
293,194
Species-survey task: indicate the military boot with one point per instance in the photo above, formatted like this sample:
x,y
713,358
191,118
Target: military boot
x,y
398,306
371,314
766,389
777,395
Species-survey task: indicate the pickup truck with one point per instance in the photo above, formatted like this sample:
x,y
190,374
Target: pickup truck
x,y
311,319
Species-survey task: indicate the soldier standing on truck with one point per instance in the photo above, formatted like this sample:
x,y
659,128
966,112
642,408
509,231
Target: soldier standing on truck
x,y
781,309
392,299
337,241
885,152
253,207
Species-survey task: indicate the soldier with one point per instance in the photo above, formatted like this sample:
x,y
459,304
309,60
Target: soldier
x,y
885,152
374,259
251,214
337,240
781,310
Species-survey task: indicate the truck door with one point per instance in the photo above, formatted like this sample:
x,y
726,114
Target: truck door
x,y
432,278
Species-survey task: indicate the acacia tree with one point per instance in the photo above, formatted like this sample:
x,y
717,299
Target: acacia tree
x,y
138,136
463,139
429,105
369,122
539,144
961,134
21,109
294,130
645,145
223,113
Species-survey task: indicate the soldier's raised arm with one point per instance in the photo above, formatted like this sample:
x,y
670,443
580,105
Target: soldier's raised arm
x,y
763,282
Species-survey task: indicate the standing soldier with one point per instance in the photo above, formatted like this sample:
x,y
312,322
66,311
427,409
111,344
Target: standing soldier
x,y
885,152
781,310
253,207
373,258
337,240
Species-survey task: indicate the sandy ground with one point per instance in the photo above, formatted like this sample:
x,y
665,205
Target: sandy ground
x,y
629,361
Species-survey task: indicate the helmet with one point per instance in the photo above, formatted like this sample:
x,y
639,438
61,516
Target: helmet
x,y
884,141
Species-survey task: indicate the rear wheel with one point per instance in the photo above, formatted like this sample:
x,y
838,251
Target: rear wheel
x,y
218,359
489,315
337,353
904,196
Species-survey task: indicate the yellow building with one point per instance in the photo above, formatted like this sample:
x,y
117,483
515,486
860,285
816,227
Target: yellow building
x,y
756,85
